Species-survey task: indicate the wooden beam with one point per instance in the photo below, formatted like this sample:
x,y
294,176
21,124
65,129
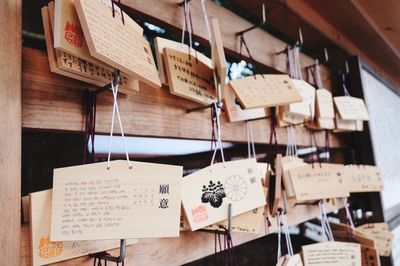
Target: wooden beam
x,y
188,247
10,131
308,11
262,45
53,102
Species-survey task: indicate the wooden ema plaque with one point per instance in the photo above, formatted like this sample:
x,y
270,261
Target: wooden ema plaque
x,y
296,113
364,178
325,112
321,181
218,54
188,77
73,67
69,39
92,201
161,43
45,251
351,108
288,163
332,253
265,90
382,236
207,193
236,113
117,43
348,125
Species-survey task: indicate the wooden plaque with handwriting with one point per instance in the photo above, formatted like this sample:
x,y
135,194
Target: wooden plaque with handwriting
x,y
364,178
92,202
323,181
117,43
45,251
188,77
265,90
73,67
236,113
324,104
383,238
207,193
332,253
161,43
351,108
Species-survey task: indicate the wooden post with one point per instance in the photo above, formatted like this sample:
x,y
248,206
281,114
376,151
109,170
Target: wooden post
x,y
10,131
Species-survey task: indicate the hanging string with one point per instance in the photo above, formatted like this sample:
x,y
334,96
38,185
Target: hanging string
x,y
216,108
90,127
344,80
114,89
291,147
244,44
290,63
203,7
348,213
187,25
326,228
250,141
297,63
317,75
279,251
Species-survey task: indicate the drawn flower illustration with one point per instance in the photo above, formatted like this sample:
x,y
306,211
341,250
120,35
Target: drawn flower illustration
x,y
213,194
235,188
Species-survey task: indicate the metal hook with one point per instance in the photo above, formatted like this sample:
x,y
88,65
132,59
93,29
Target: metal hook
x,y
107,257
264,20
116,80
113,9
317,62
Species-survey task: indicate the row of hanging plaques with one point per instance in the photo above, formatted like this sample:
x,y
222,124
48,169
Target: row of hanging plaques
x,y
93,205
87,47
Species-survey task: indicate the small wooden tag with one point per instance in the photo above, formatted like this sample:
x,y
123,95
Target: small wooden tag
x,y
323,181
324,104
265,90
351,108
161,43
364,178
207,193
45,251
288,163
383,238
188,77
332,253
73,67
348,125
326,123
305,108
218,54
369,256
92,202
117,43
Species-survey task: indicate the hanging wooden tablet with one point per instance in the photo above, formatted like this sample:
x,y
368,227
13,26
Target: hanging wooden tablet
x,y
276,187
130,202
288,163
45,251
207,193
321,181
116,41
69,39
369,256
218,54
76,68
265,90
236,113
161,43
332,253
364,178
383,238
303,110
351,108
249,222
348,125
325,112
345,233
379,226
188,77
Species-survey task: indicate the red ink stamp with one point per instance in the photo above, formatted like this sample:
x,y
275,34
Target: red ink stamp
x,y
199,214
73,34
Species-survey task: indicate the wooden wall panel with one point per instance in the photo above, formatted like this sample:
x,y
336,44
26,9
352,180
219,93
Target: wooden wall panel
x,y
53,102
10,131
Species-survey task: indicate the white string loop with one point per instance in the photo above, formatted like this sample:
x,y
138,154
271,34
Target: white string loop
x,y
250,141
348,214
203,6
116,110
326,228
217,108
